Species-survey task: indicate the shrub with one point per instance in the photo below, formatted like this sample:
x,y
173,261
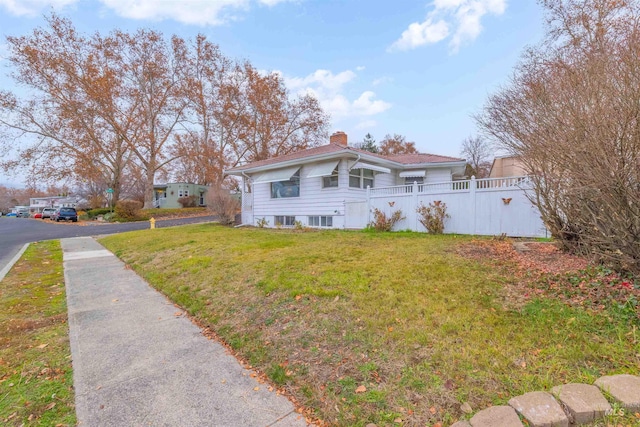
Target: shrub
x,y
223,205
382,222
128,209
188,201
433,216
93,213
262,222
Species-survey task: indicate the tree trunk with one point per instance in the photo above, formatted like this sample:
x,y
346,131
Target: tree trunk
x,y
148,187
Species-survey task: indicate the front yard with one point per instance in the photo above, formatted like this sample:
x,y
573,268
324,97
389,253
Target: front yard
x,y
394,329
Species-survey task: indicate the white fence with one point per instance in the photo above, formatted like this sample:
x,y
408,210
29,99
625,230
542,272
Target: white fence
x,y
490,206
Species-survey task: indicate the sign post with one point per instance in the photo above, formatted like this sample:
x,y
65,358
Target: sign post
x,y
110,197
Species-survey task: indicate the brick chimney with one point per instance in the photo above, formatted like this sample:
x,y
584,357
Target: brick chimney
x,y
338,137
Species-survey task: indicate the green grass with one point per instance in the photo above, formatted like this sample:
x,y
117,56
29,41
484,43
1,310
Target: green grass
x,y
420,327
35,360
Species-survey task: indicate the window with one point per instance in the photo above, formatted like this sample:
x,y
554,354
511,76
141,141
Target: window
x,y
284,220
180,193
361,178
331,180
320,221
186,193
290,188
411,179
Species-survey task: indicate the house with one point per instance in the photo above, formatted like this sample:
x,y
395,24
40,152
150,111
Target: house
x,y
505,166
37,204
315,187
167,195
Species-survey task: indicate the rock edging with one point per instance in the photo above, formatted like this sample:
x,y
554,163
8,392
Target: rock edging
x,y
570,404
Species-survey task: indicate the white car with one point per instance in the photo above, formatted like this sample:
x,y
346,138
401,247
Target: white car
x,y
47,212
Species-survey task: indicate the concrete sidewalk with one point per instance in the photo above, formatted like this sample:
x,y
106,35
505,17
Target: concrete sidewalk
x,y
138,364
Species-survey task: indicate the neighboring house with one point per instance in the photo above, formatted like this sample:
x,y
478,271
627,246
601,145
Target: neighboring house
x,y
167,195
37,204
506,166
314,186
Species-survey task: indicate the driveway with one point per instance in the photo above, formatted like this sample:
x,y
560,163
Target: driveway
x,y
15,232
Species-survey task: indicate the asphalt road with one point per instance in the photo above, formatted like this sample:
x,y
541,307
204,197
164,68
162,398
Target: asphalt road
x,y
15,232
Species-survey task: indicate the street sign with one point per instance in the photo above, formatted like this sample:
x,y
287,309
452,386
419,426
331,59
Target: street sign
x,y
110,190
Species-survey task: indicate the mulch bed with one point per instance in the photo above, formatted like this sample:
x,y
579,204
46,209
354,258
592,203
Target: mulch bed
x,y
540,269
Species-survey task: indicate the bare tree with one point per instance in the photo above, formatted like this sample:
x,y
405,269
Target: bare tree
x,y
477,151
571,113
396,144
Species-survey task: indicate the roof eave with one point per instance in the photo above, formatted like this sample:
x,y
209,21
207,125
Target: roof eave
x,y
340,154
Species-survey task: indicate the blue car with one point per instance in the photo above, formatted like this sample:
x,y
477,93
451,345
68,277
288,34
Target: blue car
x,y
65,214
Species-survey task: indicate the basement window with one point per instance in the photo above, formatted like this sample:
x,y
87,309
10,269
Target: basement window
x,y
320,221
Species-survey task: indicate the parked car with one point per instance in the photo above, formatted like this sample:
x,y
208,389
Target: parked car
x,y
37,215
65,214
23,213
11,214
47,212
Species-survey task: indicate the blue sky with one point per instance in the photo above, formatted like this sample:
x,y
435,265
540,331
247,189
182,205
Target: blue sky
x,y
417,68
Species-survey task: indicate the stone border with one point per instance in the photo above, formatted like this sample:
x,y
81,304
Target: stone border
x,y
570,404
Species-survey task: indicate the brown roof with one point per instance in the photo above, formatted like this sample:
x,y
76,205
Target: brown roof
x,y
315,151
409,159
406,159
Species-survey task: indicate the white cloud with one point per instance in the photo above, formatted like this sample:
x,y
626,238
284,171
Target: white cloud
x,y
382,80
33,7
330,90
360,68
458,19
198,12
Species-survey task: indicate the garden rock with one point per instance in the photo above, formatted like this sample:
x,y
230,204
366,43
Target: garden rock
x,y
496,416
461,424
584,402
540,409
466,408
624,388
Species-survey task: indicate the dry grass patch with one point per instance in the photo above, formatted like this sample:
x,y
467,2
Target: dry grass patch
x,y
35,359
385,328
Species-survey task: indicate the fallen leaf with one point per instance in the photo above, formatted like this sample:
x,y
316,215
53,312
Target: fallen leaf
x,y
50,406
398,420
177,313
298,297
42,345
256,388
432,410
361,389
390,328
114,300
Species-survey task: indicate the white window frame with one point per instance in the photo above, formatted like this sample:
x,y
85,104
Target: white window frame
x,y
295,179
364,181
331,181
284,220
321,221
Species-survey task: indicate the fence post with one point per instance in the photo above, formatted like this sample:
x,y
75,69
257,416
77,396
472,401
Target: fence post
x,y
414,200
368,205
472,195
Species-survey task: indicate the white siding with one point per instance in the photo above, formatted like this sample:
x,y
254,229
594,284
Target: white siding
x,y
438,175
385,179
313,200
